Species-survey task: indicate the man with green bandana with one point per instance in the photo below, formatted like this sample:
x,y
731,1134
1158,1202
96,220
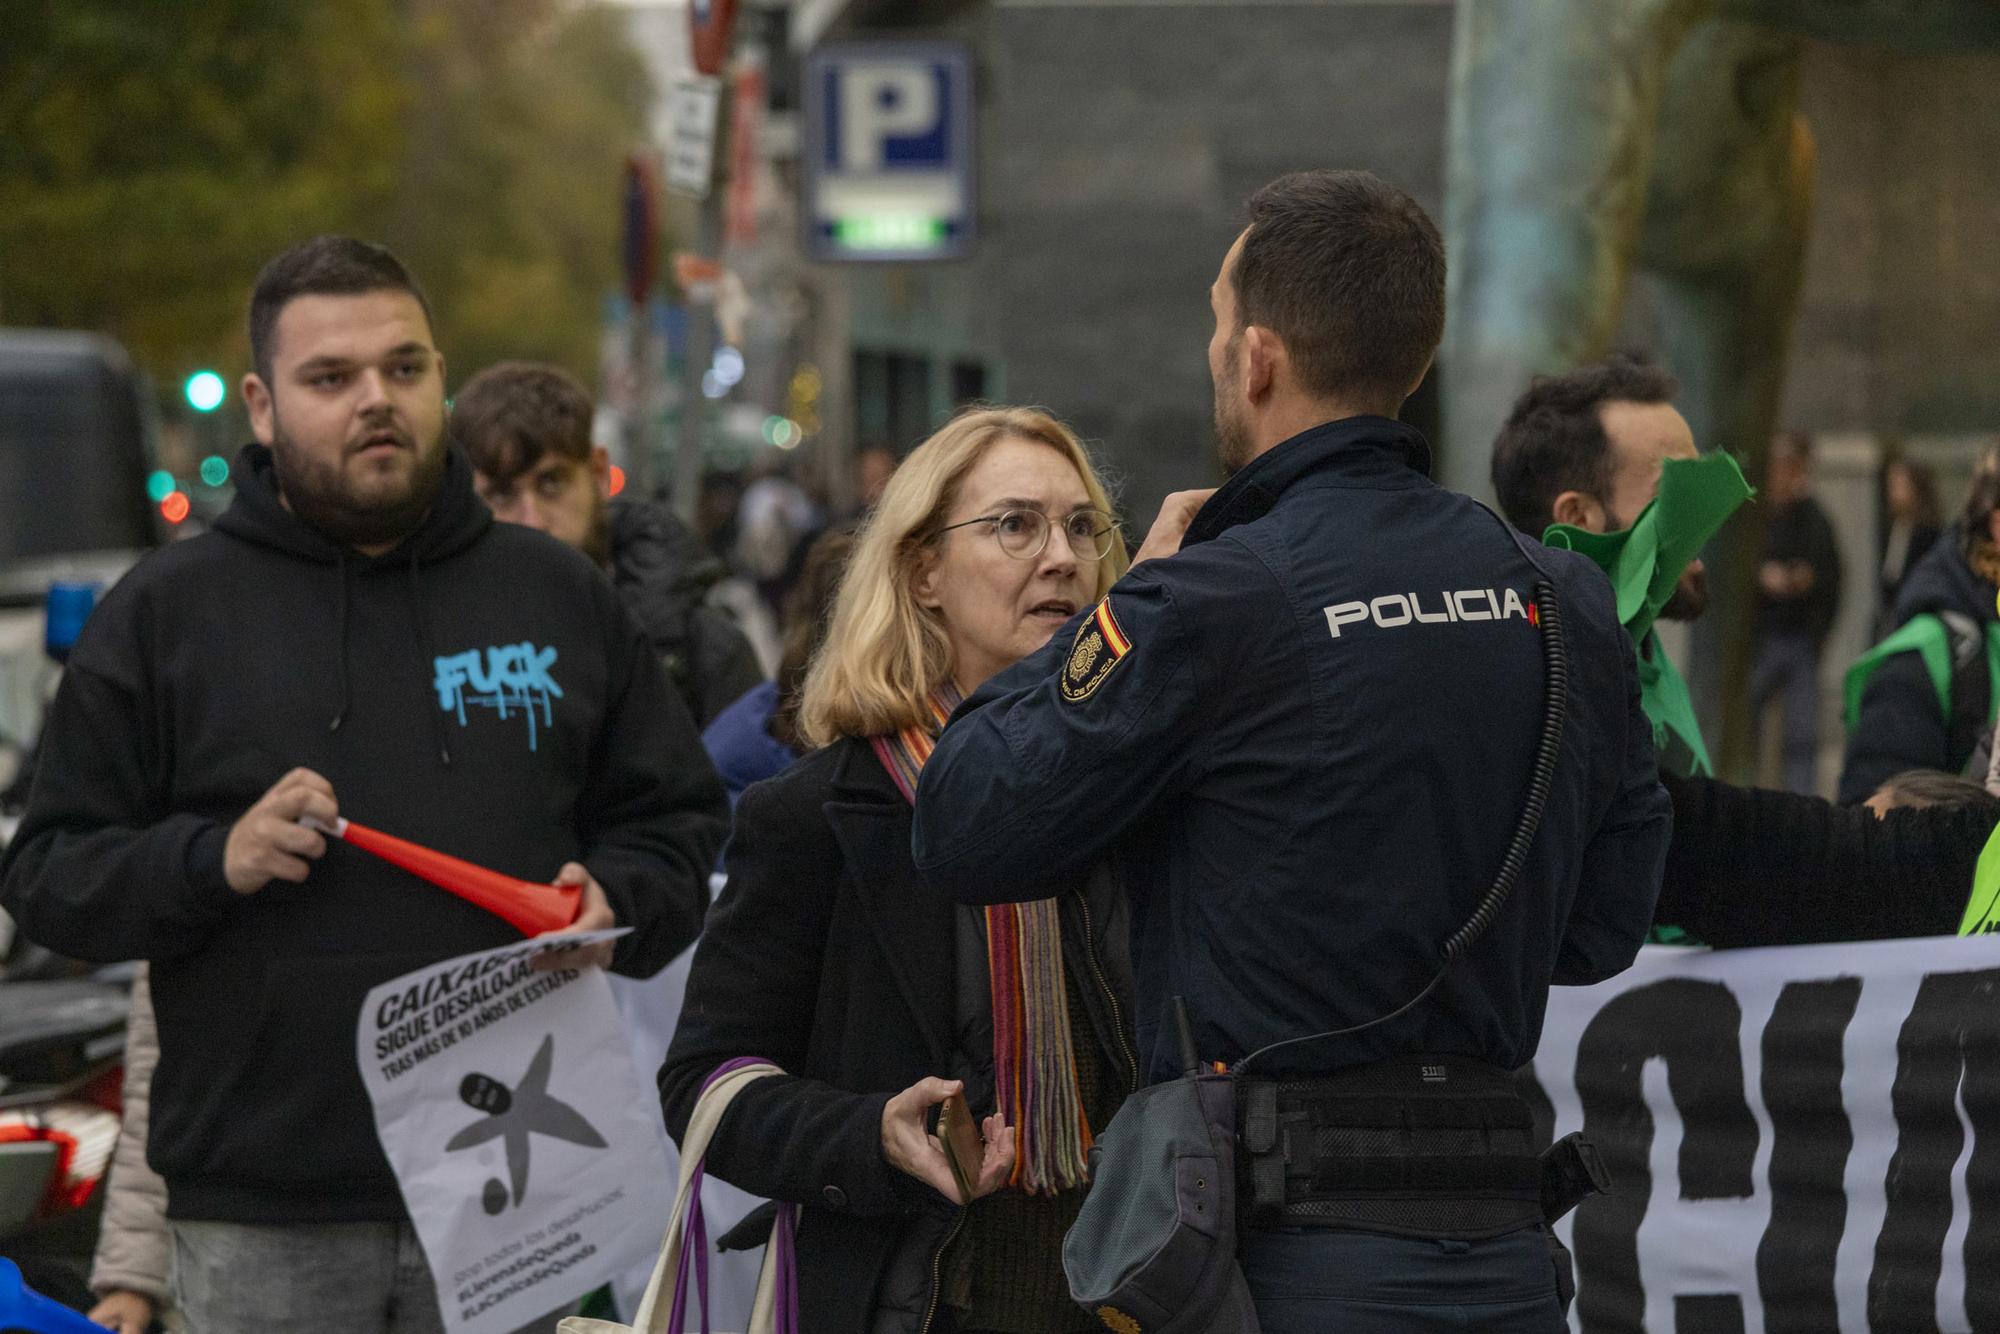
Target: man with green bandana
x,y
1600,461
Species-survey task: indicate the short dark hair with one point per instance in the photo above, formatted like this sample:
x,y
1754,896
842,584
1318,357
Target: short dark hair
x,y
1938,790
323,266
508,416
808,613
1554,440
1349,272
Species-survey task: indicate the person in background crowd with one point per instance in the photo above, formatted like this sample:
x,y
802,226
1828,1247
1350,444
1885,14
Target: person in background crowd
x,y
873,467
757,737
878,996
366,580
1922,698
1910,525
1587,450
775,521
1798,596
526,428
132,1271
715,512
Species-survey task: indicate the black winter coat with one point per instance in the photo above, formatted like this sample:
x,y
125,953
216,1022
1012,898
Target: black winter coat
x,y
1900,725
828,956
663,573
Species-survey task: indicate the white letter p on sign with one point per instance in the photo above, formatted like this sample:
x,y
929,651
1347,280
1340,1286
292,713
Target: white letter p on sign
x,y
879,102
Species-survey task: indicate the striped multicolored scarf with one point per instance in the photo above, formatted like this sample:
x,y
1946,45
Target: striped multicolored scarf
x,y
1034,1061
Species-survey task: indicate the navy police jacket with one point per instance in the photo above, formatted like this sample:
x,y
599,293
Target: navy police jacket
x,y
1306,740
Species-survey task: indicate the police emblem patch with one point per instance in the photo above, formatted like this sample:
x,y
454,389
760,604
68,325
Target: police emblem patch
x,y
1117,1321
1100,646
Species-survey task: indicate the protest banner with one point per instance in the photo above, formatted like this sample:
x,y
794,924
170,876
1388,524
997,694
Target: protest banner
x,y
523,1139
1800,1139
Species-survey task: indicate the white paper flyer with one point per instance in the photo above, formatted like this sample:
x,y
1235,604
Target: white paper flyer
x,y
521,1134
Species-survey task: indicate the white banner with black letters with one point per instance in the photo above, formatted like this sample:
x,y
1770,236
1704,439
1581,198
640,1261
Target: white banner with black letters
x,y
1801,1139
523,1139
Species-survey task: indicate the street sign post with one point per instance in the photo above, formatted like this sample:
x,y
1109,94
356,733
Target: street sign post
x,y
640,255
889,150
640,250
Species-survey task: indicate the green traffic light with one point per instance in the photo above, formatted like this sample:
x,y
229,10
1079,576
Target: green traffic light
x,y
205,391
214,470
160,485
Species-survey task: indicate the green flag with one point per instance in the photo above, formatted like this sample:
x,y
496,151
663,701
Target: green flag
x,y
1645,563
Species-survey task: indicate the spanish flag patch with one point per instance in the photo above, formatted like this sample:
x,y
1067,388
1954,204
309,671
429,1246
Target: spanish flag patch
x,y
1100,645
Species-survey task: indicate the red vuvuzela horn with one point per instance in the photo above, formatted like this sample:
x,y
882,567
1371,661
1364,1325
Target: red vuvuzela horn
x,y
528,907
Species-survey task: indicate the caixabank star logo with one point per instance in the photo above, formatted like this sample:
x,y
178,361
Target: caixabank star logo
x,y
513,1115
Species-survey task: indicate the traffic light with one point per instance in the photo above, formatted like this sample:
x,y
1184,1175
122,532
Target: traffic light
x,y
205,391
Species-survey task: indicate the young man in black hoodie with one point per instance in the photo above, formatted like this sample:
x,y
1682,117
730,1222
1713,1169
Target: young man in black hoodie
x,y
356,637
526,428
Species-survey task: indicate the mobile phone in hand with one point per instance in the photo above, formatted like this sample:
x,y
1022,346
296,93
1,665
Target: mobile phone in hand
x,y
958,1135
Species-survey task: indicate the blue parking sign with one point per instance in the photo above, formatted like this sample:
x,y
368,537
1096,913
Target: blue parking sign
x,y
888,151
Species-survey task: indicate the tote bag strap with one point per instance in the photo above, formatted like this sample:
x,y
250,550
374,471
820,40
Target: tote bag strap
x,y
776,1307
657,1311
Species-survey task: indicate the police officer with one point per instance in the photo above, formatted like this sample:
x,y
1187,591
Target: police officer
x,y
1304,728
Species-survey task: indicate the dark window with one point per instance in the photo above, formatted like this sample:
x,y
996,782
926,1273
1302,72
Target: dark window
x,y
968,383
892,398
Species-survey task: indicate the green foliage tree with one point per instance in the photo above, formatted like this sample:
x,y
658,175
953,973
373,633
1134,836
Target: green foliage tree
x,y
153,153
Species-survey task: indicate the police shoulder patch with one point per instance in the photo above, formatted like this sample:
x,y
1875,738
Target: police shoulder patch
x,y
1100,645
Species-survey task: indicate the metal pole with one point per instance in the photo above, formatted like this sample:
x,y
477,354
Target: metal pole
x,y
692,448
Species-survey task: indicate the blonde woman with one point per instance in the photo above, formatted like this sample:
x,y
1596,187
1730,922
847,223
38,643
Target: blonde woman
x,y
876,993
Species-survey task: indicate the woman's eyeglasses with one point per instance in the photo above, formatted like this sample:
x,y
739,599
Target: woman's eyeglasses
x,y
1024,533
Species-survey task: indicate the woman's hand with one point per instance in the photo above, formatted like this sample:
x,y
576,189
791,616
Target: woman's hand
x,y
126,1312
907,1147
1177,511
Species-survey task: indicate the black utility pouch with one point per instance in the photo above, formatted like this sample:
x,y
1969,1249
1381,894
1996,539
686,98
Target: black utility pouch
x,y
1572,1172
1262,1155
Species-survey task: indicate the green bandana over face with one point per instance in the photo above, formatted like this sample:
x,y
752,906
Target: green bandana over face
x,y
1645,563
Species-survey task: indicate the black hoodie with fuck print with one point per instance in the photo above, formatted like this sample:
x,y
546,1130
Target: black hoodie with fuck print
x,y
479,689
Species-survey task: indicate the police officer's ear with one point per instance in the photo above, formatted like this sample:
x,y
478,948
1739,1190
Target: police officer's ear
x,y
599,464
1580,509
1261,354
